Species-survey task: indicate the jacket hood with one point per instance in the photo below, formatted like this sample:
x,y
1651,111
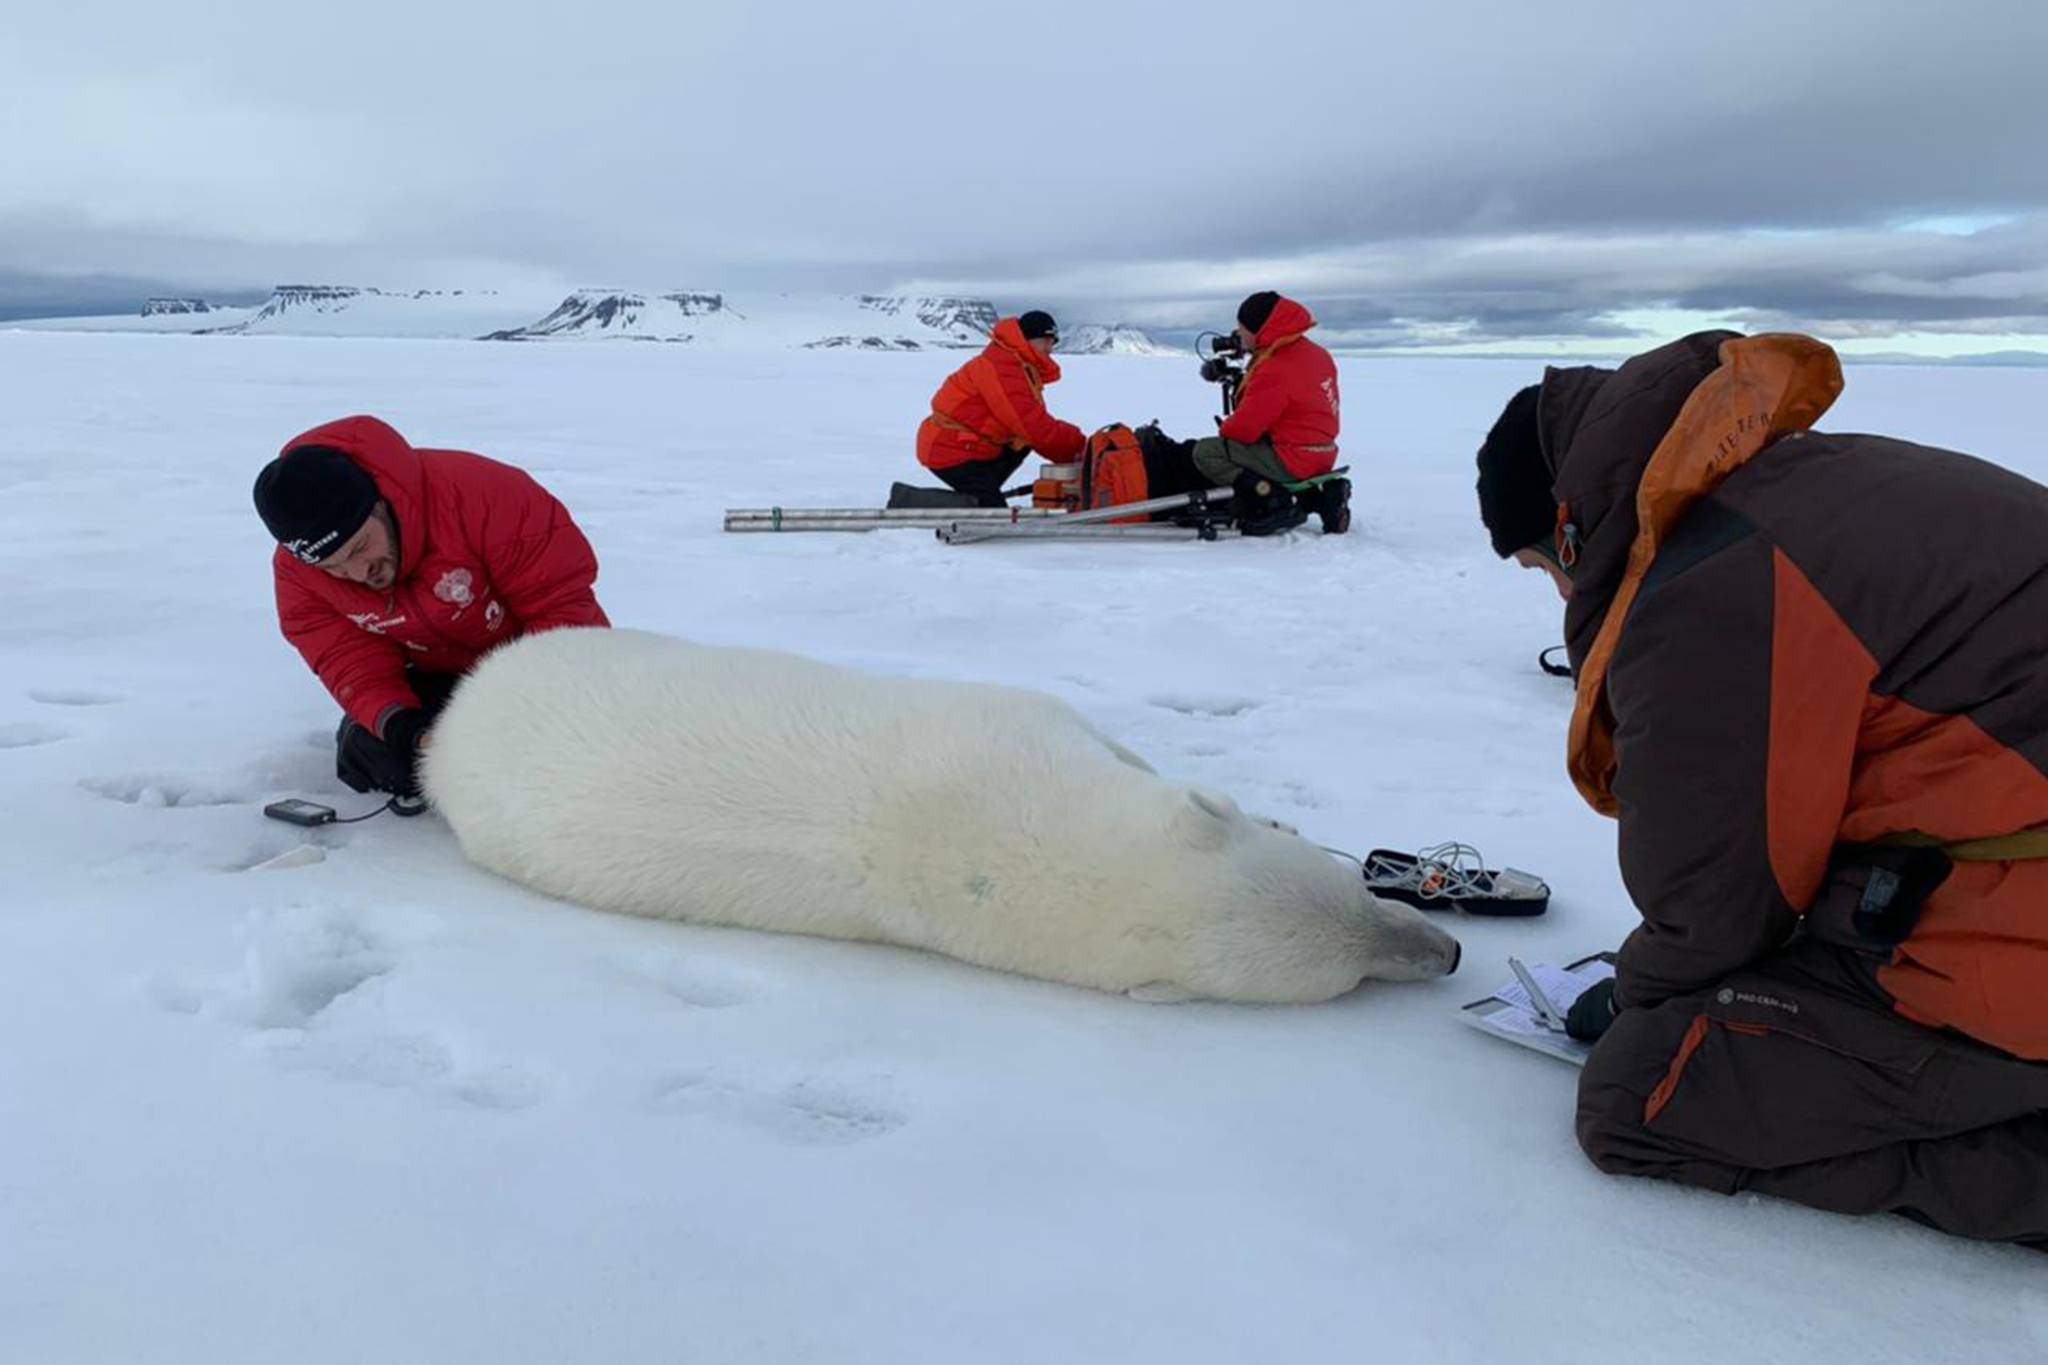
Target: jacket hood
x,y
1598,429
1009,334
392,463
1288,321
1633,450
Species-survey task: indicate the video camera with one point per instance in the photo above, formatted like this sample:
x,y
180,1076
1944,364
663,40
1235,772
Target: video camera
x,y
1217,367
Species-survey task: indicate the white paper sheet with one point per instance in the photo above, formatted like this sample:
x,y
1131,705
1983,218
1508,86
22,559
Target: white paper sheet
x,y
1507,1012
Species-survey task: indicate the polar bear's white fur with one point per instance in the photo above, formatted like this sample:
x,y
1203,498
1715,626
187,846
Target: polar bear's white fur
x,y
640,773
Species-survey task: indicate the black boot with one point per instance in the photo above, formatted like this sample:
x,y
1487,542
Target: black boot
x,y
1333,506
1264,508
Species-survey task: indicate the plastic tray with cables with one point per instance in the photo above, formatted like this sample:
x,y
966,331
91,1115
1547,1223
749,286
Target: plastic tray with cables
x,y
1453,877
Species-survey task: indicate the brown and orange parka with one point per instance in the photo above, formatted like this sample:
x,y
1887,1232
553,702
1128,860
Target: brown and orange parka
x,y
993,405
1791,643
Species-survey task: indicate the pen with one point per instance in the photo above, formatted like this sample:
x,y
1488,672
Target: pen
x,y
1546,1011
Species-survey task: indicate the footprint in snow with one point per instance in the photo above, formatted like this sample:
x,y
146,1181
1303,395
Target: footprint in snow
x,y
400,1060
1217,706
692,983
309,994
410,1061
144,789
27,735
1304,796
73,696
299,962
810,1113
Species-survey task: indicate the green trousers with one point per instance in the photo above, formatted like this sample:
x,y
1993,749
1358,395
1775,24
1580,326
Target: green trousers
x,y
1221,461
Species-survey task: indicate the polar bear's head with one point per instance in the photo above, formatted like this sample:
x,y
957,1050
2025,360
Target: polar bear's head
x,y
1282,920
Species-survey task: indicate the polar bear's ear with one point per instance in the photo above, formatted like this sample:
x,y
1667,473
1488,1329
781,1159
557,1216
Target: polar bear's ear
x,y
1204,819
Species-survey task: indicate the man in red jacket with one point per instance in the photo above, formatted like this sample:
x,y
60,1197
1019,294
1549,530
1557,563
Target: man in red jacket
x,y
1284,428
990,413
397,569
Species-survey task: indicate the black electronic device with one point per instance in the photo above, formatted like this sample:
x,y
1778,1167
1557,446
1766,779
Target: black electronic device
x,y
297,812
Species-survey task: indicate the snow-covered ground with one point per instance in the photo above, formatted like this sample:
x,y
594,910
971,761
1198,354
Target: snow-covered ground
x,y
385,1108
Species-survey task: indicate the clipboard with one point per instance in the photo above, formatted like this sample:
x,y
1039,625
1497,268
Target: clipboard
x,y
1503,1014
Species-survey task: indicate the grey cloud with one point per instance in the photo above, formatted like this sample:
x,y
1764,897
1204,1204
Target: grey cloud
x,y
1474,162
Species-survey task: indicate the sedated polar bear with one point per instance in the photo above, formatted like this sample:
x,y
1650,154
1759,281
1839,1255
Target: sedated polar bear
x,y
640,773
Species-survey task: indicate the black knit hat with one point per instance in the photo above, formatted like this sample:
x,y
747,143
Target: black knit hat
x,y
1038,323
313,498
1515,497
1253,312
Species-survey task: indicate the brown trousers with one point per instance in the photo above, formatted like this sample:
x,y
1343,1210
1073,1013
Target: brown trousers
x,y
1795,1079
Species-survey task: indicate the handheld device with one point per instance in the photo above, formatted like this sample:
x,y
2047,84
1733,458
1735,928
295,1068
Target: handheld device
x,y
297,812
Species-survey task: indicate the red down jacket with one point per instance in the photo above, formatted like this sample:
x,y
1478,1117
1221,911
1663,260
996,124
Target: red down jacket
x,y
992,404
1289,395
485,555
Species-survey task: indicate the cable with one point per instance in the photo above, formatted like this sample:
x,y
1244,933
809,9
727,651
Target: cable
x,y
391,805
1449,871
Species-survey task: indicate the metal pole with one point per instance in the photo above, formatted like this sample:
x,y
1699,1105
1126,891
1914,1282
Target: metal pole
x,y
1172,502
976,535
888,513
891,518
765,527
871,518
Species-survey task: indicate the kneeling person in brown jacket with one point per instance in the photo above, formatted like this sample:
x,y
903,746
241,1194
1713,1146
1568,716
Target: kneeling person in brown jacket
x,y
1810,691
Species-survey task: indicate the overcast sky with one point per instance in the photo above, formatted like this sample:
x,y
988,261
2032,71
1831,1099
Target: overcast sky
x,y
1435,174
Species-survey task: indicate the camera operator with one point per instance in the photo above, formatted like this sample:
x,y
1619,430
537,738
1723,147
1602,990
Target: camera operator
x,y
1284,426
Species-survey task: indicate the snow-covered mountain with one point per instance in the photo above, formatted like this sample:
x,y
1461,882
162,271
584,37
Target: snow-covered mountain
x,y
895,323
770,322
1113,338
615,315
155,308
875,322
351,310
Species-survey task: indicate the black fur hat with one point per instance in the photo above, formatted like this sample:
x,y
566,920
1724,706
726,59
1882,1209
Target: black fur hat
x,y
1038,323
1515,497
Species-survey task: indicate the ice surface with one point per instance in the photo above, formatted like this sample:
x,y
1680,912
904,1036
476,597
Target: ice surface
x,y
382,1107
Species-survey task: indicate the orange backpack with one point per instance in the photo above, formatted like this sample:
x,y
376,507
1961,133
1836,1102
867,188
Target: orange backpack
x,y
1113,471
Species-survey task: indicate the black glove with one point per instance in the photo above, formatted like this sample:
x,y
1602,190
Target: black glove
x,y
403,732
366,763
1592,1012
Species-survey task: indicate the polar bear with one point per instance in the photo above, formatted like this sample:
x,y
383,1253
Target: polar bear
x,y
640,773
